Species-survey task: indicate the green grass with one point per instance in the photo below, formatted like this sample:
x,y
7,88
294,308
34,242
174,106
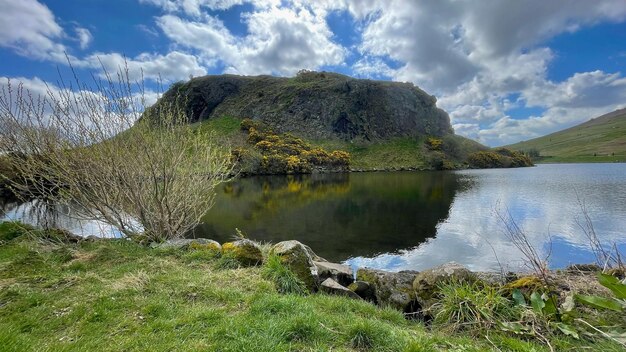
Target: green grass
x,y
397,153
604,137
223,126
121,296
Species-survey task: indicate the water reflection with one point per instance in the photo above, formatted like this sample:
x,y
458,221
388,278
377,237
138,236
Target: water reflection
x,y
46,214
339,215
409,220
545,203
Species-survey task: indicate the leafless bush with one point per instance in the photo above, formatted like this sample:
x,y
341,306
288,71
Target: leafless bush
x,y
536,263
143,170
605,258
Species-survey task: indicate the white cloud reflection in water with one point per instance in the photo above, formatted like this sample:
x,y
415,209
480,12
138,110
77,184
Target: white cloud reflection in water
x,y
543,201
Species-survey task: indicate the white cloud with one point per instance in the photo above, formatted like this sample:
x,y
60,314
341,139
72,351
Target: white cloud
x,y
475,55
480,58
84,37
171,67
193,7
30,29
279,41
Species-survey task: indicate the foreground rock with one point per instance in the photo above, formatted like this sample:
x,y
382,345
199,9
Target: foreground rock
x,y
338,272
391,289
186,243
246,252
426,282
363,289
299,258
333,287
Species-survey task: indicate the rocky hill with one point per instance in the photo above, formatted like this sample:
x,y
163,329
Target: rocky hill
x,y
318,105
305,123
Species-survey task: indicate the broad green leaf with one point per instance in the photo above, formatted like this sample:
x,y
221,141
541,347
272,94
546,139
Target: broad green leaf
x,y
567,330
549,305
518,297
600,302
537,302
613,284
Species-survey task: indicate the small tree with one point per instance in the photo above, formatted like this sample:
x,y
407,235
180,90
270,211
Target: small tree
x,y
143,170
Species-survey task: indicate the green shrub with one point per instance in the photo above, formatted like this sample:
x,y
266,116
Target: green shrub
x,y
283,153
498,158
433,143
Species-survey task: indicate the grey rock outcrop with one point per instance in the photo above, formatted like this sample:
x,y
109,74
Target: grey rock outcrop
x,y
363,289
333,287
318,105
426,282
391,289
299,258
338,272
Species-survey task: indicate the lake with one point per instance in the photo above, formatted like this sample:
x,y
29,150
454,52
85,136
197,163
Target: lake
x,y
415,220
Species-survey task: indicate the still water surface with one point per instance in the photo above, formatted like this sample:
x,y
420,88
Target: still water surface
x,y
415,220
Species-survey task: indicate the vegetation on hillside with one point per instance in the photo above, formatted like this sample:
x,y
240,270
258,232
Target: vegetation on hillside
x,y
602,139
498,158
283,153
111,295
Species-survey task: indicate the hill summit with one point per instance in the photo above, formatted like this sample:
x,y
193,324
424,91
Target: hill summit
x,y
318,105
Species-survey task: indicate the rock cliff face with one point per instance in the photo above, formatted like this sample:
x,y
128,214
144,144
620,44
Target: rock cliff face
x,y
317,105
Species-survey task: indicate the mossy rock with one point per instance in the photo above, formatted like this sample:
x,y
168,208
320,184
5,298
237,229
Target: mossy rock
x,y
188,243
390,289
529,283
246,252
204,244
363,289
299,258
426,283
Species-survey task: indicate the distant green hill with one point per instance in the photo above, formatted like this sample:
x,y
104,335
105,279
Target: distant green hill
x,y
602,139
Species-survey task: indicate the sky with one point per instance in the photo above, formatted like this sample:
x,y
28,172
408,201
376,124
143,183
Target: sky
x,y
505,71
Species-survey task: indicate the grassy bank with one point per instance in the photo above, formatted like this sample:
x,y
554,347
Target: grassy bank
x,y
118,295
392,154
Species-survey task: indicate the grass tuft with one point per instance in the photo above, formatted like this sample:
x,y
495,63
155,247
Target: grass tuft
x,y
472,306
284,279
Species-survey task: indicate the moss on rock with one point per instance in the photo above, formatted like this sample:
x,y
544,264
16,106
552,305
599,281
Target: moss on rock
x,y
246,252
390,289
297,257
426,284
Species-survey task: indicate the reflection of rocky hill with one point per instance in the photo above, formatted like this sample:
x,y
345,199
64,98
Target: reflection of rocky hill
x,y
338,214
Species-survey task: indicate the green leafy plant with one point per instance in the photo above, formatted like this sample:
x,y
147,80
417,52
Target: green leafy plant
x,y
617,303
